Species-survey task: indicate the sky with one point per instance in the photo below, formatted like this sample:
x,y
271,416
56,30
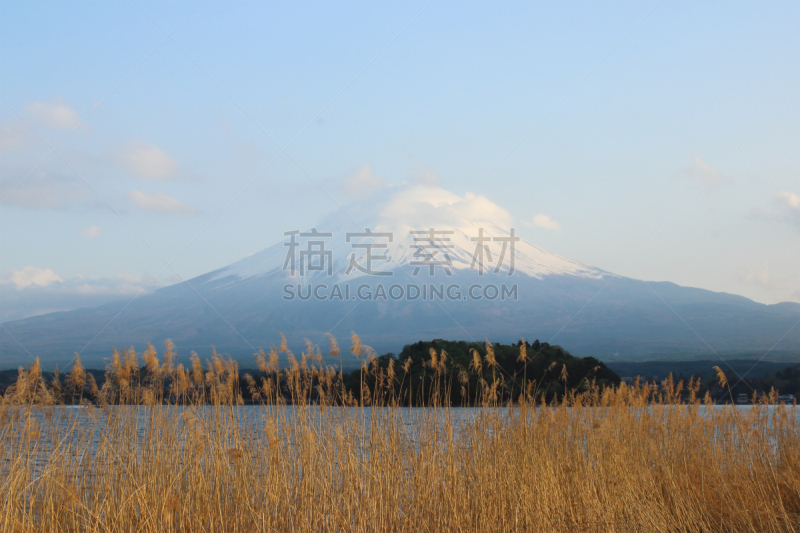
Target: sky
x,y
144,143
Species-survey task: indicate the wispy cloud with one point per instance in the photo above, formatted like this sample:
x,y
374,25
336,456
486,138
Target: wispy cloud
x,y
158,202
55,113
91,232
43,190
781,287
790,200
146,161
706,174
362,182
544,221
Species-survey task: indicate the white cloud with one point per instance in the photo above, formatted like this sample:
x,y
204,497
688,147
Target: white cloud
x,y
785,208
705,174
789,203
55,113
362,182
91,232
123,284
29,275
145,161
32,291
158,202
790,200
425,206
544,221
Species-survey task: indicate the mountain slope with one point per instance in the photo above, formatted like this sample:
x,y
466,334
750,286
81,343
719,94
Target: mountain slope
x,y
244,306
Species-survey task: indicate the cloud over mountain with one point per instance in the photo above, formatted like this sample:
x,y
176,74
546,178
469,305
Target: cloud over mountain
x,y
32,291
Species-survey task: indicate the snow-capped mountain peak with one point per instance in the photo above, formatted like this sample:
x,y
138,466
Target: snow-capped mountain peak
x,y
418,228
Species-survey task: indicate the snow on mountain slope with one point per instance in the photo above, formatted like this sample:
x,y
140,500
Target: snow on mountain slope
x,y
458,224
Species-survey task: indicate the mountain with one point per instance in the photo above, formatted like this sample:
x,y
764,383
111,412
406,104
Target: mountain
x,y
415,285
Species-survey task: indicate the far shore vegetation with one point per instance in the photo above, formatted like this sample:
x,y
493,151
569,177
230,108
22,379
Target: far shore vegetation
x,y
551,442
517,367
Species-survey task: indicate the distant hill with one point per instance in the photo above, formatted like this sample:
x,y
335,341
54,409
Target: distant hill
x,y
705,368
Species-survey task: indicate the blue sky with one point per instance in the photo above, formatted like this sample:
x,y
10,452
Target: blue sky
x,y
657,140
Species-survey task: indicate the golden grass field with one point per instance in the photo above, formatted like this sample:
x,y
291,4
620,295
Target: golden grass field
x,y
173,449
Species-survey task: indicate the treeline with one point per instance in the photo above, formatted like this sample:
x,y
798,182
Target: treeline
x,y
425,373
787,381
738,380
468,371
444,372
783,382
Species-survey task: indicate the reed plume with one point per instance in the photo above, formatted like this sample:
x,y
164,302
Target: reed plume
x,y
181,453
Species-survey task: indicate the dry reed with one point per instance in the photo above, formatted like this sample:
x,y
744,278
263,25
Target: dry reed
x,y
310,457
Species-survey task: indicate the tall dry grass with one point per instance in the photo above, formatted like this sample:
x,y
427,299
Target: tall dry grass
x,y
312,458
